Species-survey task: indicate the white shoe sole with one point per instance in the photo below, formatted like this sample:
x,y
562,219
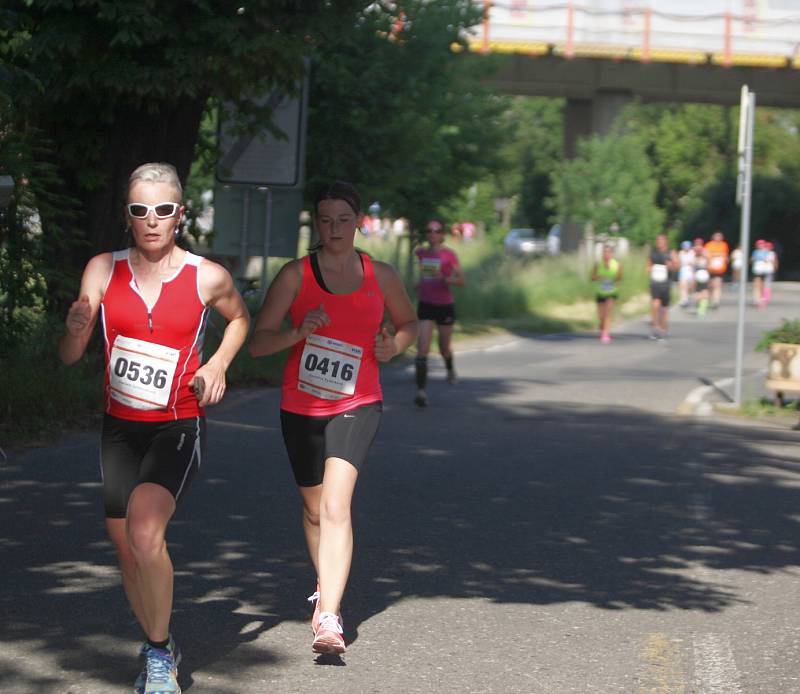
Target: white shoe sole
x,y
328,645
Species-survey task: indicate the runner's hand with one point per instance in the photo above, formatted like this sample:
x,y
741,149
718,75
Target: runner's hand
x,y
198,386
385,347
208,383
79,316
314,320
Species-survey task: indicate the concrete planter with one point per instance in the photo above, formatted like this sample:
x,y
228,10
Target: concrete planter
x,y
783,372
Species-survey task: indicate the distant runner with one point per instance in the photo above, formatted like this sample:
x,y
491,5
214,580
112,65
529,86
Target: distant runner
x,y
718,253
661,262
606,274
439,269
685,272
701,277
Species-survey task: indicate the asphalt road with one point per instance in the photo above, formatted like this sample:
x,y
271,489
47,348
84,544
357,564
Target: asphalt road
x,y
548,525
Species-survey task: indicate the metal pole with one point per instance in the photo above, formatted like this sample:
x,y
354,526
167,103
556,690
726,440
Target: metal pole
x,y
745,242
243,238
267,233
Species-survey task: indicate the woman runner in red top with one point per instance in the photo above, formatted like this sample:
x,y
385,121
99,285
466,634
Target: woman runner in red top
x,y
153,300
334,299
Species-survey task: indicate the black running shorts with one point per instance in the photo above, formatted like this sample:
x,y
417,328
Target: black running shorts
x,y
310,441
164,453
660,291
443,314
602,298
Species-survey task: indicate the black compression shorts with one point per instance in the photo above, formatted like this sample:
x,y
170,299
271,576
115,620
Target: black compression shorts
x,y
443,314
602,298
164,453
661,291
312,440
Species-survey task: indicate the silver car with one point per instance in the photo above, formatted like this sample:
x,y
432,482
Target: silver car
x,y
525,242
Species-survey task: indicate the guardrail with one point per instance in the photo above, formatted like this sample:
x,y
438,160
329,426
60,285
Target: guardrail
x,y
756,37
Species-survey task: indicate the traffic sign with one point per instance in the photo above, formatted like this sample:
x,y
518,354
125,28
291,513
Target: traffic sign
x,y
256,156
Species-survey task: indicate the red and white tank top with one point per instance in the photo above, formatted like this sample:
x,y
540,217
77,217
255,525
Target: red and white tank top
x,y
152,352
334,369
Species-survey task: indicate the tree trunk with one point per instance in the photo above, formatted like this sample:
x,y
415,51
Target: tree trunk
x,y
164,134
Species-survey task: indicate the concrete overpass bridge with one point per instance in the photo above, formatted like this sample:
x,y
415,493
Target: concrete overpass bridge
x,y
600,54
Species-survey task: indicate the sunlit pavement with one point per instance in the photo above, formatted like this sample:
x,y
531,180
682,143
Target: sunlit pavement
x,y
549,524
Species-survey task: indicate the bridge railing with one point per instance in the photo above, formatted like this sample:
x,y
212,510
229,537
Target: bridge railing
x,y
755,36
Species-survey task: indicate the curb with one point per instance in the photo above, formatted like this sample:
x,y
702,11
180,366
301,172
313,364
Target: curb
x,y
712,398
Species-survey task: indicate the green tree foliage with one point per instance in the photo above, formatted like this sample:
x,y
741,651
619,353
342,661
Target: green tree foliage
x,y
121,82
535,152
395,109
610,187
690,146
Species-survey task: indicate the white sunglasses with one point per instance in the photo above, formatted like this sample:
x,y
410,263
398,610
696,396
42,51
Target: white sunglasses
x,y
162,210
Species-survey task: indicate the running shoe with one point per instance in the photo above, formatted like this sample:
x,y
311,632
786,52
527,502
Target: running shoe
x,y
329,637
421,400
315,615
451,376
162,673
141,680
605,338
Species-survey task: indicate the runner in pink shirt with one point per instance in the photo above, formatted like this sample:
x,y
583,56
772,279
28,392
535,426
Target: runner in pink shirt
x,y
438,270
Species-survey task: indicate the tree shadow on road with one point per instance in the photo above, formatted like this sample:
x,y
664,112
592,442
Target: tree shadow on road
x,y
485,498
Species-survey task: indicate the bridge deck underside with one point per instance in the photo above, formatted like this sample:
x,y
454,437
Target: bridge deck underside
x,y
583,78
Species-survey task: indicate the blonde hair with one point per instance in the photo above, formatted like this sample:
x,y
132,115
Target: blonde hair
x,y
156,172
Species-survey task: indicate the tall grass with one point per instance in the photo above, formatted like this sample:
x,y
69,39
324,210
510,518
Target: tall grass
x,y
522,292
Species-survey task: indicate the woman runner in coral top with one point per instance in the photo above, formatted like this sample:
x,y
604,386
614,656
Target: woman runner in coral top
x,y
331,403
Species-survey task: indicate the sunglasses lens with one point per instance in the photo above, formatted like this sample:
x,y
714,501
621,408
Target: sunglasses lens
x,y
166,209
137,210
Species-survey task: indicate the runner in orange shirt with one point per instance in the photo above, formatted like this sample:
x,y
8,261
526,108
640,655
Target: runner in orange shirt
x,y
717,252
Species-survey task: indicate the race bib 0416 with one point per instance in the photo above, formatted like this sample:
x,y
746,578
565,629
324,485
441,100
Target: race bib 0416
x,y
329,368
141,373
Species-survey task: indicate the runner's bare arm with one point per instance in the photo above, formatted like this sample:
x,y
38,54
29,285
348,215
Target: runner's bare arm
x,y
401,313
82,315
269,336
218,292
674,261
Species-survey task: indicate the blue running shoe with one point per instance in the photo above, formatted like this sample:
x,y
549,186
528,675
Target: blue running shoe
x,y
141,680
162,675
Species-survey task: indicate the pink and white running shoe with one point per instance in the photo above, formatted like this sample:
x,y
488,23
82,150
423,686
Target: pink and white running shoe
x,y
329,636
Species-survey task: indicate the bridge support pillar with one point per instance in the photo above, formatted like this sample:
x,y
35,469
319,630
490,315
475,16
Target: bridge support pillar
x,y
584,118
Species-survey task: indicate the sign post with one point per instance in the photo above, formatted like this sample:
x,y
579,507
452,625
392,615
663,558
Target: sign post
x,y
744,191
256,162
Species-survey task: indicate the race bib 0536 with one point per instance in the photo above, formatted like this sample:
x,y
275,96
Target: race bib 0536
x,y
141,373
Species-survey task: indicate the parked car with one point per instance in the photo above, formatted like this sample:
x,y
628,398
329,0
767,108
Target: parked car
x,y
525,242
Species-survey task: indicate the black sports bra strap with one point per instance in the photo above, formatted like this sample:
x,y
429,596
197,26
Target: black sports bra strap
x,y
317,272
314,260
